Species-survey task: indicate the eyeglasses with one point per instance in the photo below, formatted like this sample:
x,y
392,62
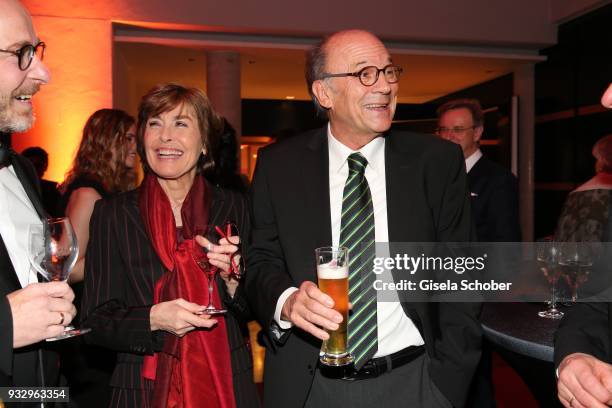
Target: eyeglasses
x,y
368,76
455,130
25,54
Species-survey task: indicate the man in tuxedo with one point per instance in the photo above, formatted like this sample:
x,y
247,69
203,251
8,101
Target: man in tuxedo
x,y
493,189
583,347
28,313
352,183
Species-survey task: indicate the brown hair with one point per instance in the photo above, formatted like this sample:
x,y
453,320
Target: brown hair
x,y
470,104
166,97
105,131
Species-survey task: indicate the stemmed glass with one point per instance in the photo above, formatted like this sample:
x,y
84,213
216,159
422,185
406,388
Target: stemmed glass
x,y
236,262
200,258
575,260
546,255
53,252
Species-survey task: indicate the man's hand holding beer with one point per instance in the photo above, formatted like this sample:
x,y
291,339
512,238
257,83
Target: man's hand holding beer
x,y
311,310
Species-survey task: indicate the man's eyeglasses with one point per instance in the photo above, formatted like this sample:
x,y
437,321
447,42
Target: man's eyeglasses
x,y
455,130
368,76
26,54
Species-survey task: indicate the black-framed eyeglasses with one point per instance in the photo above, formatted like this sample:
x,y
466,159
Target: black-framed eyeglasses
x,y
455,130
368,76
25,54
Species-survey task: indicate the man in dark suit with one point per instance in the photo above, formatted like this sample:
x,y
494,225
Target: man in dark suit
x,y
493,188
583,347
28,313
412,188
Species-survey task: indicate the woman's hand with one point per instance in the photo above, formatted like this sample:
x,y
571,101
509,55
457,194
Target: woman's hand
x,y
219,256
179,317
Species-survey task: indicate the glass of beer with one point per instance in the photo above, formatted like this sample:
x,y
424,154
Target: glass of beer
x,y
332,273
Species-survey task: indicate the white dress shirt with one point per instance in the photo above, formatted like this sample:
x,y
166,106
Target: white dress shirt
x,y
395,330
16,215
472,159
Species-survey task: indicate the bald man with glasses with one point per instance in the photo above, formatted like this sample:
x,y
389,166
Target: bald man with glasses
x,y
352,183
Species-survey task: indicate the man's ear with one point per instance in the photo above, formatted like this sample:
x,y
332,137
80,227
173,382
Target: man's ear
x,y
321,92
478,133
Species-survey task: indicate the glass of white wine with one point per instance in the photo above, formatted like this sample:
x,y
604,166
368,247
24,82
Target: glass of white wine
x,y
53,252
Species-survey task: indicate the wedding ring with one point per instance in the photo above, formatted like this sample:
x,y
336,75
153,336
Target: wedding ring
x,y
209,247
61,321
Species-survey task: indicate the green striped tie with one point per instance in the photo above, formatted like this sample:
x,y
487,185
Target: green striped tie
x,y
357,234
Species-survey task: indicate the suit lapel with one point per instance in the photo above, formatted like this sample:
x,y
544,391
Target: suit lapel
x,y
29,188
315,179
8,278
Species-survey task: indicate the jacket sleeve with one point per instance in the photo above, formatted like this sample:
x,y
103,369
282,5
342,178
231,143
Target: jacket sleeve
x,y
267,277
584,329
6,337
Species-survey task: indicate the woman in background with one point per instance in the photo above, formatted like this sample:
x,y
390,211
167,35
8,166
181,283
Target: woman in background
x,y
104,164
584,216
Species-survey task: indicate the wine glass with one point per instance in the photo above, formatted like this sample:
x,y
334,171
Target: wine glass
x,y
53,252
546,255
575,260
201,259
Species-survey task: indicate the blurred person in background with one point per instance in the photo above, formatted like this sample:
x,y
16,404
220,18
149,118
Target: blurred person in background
x,y
49,192
584,216
583,345
104,164
226,172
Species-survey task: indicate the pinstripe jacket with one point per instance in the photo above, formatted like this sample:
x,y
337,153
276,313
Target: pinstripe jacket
x,y
121,270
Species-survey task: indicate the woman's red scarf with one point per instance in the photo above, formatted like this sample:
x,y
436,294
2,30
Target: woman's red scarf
x,y
193,370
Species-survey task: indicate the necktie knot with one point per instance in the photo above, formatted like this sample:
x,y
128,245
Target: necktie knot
x,y
357,163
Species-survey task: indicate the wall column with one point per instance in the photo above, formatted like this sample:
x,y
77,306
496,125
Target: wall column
x,y
524,88
223,86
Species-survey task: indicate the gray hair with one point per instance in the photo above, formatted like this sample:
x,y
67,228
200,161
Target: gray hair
x,y
316,59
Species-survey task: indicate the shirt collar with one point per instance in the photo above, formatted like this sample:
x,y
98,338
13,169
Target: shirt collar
x,y
374,152
472,159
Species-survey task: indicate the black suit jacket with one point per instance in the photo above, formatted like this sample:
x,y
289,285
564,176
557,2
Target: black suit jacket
x,y
587,327
494,196
21,367
426,202
121,270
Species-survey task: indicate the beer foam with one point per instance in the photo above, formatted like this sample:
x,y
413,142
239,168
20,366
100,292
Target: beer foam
x,y
329,271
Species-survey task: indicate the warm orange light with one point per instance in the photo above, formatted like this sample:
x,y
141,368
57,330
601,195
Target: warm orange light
x,y
79,57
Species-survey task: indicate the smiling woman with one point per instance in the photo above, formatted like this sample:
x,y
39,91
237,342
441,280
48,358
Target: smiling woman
x,y
145,284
